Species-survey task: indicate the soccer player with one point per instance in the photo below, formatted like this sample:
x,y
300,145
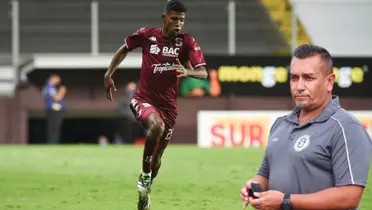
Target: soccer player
x,y
165,53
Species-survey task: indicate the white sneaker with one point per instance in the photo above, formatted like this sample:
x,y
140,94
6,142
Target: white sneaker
x,y
144,190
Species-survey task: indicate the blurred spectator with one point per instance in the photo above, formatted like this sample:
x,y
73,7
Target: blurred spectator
x,y
54,94
195,87
128,128
103,141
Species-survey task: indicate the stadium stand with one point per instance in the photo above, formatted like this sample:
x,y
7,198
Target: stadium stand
x,y
281,13
64,26
5,32
210,31
55,26
256,32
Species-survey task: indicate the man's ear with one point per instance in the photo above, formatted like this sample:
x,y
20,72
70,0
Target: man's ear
x,y
331,82
163,16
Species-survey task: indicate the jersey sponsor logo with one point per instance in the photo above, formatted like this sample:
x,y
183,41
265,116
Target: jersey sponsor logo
x,y
178,41
153,39
154,49
165,51
170,51
161,67
302,143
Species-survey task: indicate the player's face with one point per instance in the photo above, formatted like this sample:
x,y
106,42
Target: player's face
x,y
310,83
173,22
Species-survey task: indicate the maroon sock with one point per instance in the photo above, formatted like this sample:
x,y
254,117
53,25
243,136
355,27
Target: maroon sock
x,y
157,160
148,154
155,171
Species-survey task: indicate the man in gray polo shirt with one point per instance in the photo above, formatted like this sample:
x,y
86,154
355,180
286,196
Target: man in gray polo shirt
x,y
318,156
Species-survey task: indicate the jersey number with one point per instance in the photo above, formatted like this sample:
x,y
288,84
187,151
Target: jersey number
x,y
169,134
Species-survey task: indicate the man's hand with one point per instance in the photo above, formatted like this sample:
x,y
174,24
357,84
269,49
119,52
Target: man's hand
x,y
180,69
269,200
58,98
244,193
109,86
61,94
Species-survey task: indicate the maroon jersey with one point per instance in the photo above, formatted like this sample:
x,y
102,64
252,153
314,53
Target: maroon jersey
x,y
158,81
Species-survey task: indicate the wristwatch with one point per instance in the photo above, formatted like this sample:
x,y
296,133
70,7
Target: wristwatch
x,y
286,204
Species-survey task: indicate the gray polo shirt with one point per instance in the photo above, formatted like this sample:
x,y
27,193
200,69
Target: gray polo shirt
x,y
332,150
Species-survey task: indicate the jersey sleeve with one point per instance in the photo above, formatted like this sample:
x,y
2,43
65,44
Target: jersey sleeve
x,y
264,169
351,155
135,40
195,53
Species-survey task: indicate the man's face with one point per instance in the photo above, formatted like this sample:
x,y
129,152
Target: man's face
x,y
56,80
310,82
173,22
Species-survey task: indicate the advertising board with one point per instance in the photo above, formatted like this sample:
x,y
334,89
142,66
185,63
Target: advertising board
x,y
269,76
247,128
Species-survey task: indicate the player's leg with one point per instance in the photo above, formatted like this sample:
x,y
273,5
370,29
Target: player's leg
x,y
154,125
152,122
155,129
163,143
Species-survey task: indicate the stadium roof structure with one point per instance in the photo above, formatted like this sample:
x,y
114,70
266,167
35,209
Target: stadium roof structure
x,y
75,61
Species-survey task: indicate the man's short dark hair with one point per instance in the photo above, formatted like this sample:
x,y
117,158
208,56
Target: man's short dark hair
x,y
308,50
175,6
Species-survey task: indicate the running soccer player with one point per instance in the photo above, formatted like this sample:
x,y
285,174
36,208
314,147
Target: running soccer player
x,y
165,53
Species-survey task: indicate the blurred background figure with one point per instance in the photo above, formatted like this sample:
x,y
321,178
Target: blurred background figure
x,y
195,88
127,126
54,94
103,141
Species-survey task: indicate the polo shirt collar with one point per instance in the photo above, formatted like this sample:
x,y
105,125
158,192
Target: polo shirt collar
x,y
327,112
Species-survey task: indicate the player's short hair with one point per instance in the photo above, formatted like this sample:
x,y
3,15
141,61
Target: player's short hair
x,y
175,6
308,50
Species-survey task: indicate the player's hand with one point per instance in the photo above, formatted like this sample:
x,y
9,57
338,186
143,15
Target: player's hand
x,y
269,200
109,87
180,69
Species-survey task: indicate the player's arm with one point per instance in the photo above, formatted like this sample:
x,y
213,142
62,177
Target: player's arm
x,y
118,57
131,42
198,73
196,58
351,152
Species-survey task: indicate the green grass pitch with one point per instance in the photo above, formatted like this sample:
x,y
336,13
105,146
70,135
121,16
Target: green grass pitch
x,y
99,178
